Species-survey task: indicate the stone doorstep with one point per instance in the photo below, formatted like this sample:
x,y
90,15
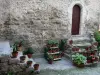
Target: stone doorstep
x,y
82,45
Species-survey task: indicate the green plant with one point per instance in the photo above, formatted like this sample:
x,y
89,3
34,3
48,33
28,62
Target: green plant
x,y
53,42
62,44
97,36
50,57
28,51
14,47
10,73
21,43
79,59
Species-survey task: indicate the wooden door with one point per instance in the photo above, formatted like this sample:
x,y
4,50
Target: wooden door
x,y
75,20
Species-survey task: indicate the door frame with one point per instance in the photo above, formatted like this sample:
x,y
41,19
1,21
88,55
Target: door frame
x,y
82,17
77,30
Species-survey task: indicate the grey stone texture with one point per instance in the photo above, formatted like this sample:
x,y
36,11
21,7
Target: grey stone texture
x,y
37,21
16,68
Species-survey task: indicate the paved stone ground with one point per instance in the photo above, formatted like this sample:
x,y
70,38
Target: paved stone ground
x,y
12,65
65,67
62,64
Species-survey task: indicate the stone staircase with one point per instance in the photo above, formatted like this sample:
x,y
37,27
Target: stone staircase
x,y
79,41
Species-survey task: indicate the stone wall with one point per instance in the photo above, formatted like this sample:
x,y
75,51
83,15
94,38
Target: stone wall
x,y
36,21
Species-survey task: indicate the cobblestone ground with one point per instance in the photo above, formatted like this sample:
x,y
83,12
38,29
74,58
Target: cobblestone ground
x,y
65,67
75,71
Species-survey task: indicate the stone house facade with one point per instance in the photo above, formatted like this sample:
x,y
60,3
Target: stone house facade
x,y
36,21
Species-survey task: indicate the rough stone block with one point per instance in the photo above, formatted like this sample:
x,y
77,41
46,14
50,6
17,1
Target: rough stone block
x,y
13,61
4,59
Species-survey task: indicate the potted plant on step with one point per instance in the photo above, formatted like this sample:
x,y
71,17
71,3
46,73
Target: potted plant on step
x,y
50,59
22,59
28,52
14,53
79,60
36,67
29,63
19,45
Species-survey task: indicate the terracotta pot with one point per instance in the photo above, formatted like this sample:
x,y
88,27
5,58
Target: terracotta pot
x,y
36,66
85,54
54,45
49,45
20,48
79,66
71,42
96,59
96,44
87,48
50,61
29,63
62,54
22,59
88,61
14,54
53,51
50,51
29,55
55,56
57,50
74,49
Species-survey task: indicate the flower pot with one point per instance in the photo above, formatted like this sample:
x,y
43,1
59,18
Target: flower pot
x,y
85,54
50,61
22,59
36,66
96,59
20,48
50,51
62,54
96,44
57,50
54,45
49,45
88,61
74,49
79,65
55,56
29,55
71,42
86,48
53,51
29,63
14,54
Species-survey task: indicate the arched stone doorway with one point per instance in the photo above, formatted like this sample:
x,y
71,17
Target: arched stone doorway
x,y
76,20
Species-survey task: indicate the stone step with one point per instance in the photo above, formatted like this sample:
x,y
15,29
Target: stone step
x,y
82,45
81,40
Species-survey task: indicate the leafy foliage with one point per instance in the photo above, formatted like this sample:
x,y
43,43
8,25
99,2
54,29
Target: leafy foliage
x,y
62,44
28,51
53,42
79,59
97,36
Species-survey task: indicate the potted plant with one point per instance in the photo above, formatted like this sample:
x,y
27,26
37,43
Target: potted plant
x,y
53,43
70,42
19,45
22,59
28,52
14,53
79,60
29,63
36,67
50,59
